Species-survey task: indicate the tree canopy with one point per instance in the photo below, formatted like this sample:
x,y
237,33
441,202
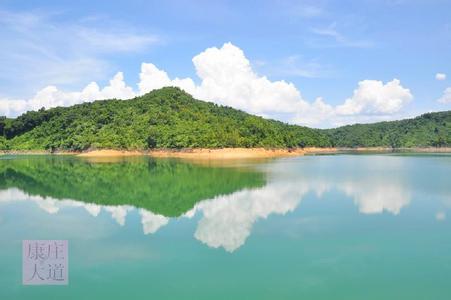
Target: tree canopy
x,y
428,130
165,118
171,118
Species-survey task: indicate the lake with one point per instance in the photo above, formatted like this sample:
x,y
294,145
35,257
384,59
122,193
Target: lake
x,y
313,227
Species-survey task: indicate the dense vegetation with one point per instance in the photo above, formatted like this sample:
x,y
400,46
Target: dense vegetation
x,y
165,187
428,130
165,118
171,118
3,143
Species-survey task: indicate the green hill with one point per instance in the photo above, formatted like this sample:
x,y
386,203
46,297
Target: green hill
x,y
171,118
428,130
165,118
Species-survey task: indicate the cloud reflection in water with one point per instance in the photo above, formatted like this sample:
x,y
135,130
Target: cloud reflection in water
x,y
226,221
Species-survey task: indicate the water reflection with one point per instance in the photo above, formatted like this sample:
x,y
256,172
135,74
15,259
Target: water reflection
x,y
152,222
376,195
165,187
226,220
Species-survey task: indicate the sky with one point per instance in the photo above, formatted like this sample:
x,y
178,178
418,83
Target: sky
x,y
316,63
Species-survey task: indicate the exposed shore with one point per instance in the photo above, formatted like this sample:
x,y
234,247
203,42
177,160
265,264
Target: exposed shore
x,y
228,153
201,153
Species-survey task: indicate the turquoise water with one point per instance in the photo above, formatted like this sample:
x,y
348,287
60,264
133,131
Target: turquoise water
x,y
313,227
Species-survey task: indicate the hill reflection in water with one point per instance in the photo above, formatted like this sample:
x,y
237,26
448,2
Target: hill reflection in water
x,y
228,200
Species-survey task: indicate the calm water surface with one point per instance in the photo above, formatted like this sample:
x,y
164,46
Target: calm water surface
x,y
313,227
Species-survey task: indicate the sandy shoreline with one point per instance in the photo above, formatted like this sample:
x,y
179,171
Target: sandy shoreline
x,y
228,153
225,153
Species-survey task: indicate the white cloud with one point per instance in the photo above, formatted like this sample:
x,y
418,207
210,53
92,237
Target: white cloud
x,y
152,78
9,107
440,76
315,113
375,97
116,89
227,78
50,96
446,97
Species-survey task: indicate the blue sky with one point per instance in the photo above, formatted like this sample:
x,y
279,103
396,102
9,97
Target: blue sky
x,y
324,48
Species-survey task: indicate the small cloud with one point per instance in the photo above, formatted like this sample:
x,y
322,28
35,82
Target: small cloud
x,y
440,216
297,66
446,97
440,76
340,40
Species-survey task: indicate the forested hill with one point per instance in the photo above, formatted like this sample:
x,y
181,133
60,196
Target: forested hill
x,y
428,130
165,118
171,118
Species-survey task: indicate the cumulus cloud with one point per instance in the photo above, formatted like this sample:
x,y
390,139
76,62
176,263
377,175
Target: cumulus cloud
x,y
375,97
227,78
152,78
440,76
51,96
446,97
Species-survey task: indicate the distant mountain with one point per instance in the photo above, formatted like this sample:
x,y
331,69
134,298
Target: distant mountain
x,y
428,130
171,118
